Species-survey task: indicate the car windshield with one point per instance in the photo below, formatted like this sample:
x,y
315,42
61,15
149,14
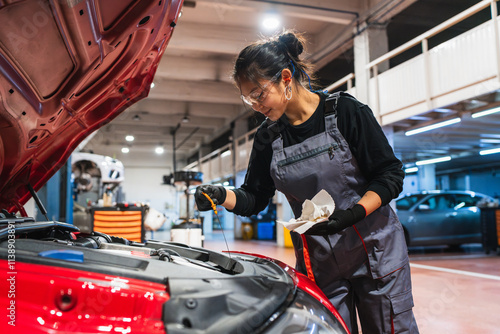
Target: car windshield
x,y
407,202
465,201
440,202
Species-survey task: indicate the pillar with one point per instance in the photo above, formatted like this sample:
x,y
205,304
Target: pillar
x,y
427,177
369,44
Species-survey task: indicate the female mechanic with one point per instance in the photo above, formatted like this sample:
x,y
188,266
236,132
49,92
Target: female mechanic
x,y
312,141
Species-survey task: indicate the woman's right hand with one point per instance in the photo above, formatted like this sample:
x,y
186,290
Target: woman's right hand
x,y
216,193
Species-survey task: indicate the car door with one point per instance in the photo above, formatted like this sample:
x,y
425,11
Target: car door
x,y
433,218
467,225
405,211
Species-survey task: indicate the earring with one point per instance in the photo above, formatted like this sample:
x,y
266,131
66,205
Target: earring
x,y
288,90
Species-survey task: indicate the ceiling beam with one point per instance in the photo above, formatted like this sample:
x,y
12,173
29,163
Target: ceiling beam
x,y
146,137
339,12
137,129
210,38
165,107
195,121
330,43
192,91
194,69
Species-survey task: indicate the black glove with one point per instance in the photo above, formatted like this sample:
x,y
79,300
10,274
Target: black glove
x,y
216,193
339,220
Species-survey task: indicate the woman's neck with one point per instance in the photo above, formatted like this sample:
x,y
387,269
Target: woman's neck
x,y
302,105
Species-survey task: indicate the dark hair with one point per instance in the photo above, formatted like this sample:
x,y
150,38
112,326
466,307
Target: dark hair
x,y
265,58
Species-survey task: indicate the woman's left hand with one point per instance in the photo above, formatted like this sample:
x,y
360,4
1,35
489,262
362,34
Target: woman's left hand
x,y
338,221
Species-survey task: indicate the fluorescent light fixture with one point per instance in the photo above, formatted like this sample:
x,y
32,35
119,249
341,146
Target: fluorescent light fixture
x,y
159,150
225,154
129,138
271,22
485,112
432,161
125,150
490,151
433,126
411,170
490,141
443,110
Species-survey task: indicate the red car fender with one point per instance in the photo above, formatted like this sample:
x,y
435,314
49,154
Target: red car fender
x,y
46,299
303,283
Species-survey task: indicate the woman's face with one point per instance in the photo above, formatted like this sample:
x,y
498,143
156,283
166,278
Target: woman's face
x,y
267,98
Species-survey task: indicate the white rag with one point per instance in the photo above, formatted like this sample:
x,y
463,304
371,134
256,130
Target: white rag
x,y
314,211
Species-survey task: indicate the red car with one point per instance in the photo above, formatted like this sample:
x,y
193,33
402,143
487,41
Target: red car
x,y
66,69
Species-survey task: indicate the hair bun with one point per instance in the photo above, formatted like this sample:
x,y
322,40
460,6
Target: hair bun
x,y
293,42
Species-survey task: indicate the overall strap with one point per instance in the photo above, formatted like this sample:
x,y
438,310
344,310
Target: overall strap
x,y
332,101
331,104
273,129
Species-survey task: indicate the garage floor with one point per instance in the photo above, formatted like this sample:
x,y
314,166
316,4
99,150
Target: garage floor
x,y
455,291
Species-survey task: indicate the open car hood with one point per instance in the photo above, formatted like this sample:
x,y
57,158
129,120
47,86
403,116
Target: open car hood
x,y
65,281
67,68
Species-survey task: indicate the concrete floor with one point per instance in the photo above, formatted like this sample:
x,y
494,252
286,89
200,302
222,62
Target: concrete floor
x,y
455,291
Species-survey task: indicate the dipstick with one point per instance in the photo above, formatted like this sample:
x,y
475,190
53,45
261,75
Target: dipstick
x,y
214,207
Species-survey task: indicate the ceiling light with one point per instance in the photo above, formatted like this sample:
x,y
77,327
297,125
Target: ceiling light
x,y
159,150
433,126
185,119
136,118
152,85
490,151
443,110
432,161
271,22
411,170
225,154
125,150
129,138
490,141
486,112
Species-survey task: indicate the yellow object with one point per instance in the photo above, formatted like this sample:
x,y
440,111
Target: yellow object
x,y
214,207
246,231
287,237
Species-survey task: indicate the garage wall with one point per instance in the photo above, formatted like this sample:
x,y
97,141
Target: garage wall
x,y
410,184
144,184
487,182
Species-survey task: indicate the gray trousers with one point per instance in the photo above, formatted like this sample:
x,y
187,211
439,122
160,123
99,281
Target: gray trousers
x,y
384,305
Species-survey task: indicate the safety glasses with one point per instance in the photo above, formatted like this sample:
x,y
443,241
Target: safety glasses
x,y
259,96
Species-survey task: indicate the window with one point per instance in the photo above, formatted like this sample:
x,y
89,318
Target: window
x,y
464,200
406,203
439,202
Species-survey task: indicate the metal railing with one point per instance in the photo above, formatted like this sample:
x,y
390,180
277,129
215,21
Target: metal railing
x,y
423,40
214,166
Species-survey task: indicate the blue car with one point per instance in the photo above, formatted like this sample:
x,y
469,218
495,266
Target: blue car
x,y
433,218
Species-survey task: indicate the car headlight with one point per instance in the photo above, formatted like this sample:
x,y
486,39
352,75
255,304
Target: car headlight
x,y
306,315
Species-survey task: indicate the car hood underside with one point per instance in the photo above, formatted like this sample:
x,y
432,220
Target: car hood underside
x,y
66,69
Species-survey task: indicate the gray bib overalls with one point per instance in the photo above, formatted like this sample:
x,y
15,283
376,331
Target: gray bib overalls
x,y
365,266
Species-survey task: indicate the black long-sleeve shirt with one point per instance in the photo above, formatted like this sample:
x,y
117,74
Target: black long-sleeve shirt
x,y
359,128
